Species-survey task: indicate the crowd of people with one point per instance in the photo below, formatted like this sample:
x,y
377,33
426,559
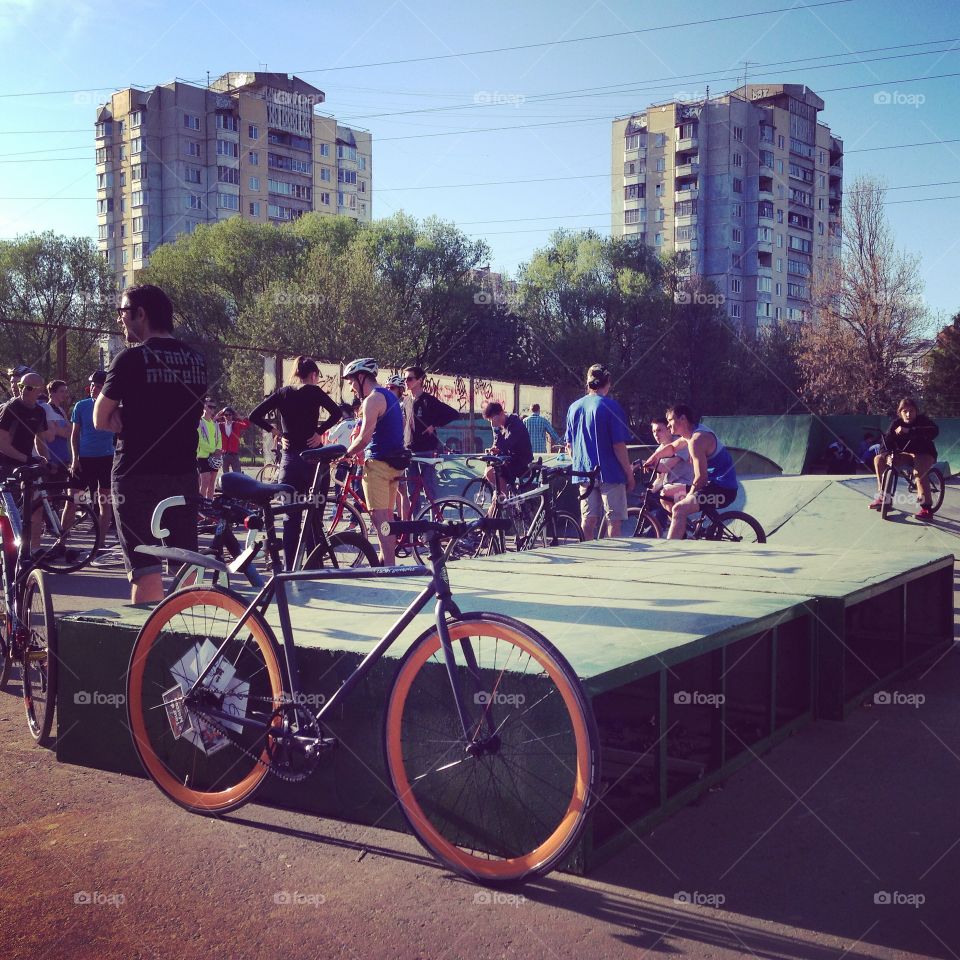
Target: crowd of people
x,y
148,429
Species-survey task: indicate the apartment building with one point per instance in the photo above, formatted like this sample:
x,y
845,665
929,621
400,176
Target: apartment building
x,y
749,183
251,144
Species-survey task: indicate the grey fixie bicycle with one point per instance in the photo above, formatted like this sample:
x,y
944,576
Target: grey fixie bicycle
x,y
489,740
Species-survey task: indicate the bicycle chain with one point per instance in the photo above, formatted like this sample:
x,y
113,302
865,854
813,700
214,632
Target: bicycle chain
x,y
272,768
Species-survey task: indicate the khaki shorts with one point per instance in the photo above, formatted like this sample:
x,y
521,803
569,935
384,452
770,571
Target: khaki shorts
x,y
606,500
380,482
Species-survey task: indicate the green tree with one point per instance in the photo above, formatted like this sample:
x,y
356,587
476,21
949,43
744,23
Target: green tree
x,y
51,284
941,383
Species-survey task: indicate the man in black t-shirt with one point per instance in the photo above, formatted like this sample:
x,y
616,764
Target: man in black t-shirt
x,y
428,414
153,398
23,422
511,439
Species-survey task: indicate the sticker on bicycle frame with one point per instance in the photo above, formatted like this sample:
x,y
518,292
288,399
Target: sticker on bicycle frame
x,y
176,714
223,684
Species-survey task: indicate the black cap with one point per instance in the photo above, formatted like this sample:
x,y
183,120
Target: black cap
x,y
98,376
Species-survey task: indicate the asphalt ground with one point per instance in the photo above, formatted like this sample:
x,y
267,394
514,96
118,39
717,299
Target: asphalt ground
x,y
842,842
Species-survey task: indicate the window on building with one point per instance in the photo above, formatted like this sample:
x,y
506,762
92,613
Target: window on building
x,y
820,229
137,172
738,134
228,201
125,255
659,190
324,149
738,159
325,199
254,208
736,261
685,131
191,122
658,239
362,186
779,264
253,158
122,153
735,311
104,129
764,284
228,148
779,216
736,235
766,158
325,173
780,240
101,155
192,174
253,132
138,251
631,216
661,215
228,174
362,162
779,289
634,191
136,118
102,231
780,141
661,164
737,210
191,148
737,185
660,140
736,285
346,153
136,145
797,290
123,205
227,121
194,202
138,199
253,184
123,231
347,176
780,167
138,224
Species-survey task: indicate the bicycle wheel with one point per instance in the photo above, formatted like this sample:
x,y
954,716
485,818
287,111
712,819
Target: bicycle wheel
x,y
64,549
558,532
479,492
351,548
269,473
888,487
201,761
935,479
343,516
450,509
40,658
734,526
640,523
511,799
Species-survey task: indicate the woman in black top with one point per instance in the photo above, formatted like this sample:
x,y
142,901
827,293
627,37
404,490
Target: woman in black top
x,y
910,438
298,407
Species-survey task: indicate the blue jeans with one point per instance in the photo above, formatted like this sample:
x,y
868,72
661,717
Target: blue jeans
x,y
418,474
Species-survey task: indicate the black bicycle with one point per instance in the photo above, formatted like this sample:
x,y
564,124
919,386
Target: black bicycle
x,y
899,467
28,631
490,743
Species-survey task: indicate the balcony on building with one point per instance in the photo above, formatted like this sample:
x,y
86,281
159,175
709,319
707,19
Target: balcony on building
x,y
836,155
687,135
690,244
765,188
688,168
765,262
765,210
685,190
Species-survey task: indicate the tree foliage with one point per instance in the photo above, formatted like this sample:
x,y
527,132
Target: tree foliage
x,y
941,388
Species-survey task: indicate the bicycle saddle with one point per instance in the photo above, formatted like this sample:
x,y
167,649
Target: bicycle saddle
x,y
323,454
242,487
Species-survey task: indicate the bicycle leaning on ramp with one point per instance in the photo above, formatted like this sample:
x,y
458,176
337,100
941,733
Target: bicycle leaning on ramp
x,y
489,741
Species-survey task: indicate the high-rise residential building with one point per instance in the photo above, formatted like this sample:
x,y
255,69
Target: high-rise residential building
x,y
750,183
251,144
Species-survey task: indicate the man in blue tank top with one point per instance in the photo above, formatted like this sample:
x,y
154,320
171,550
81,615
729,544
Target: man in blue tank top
x,y
381,439
714,475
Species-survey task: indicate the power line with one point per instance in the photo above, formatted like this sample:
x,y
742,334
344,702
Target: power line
x,y
477,53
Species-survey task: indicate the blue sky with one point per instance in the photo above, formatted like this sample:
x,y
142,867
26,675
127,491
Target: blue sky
x,y
427,117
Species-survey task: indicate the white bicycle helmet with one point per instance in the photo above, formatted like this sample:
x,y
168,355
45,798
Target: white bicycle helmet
x,y
396,381
364,365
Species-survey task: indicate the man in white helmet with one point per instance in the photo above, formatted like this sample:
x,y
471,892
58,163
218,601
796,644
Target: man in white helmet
x,y
381,439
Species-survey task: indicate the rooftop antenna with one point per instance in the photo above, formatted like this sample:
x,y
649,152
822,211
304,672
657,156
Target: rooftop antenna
x,y
208,79
746,71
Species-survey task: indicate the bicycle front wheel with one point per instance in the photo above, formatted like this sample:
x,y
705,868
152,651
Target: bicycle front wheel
x,y
39,658
446,509
206,750
269,473
558,531
352,549
935,480
888,489
734,526
640,523
510,798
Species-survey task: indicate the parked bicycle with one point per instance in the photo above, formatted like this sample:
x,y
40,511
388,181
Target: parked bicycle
x,y
901,468
490,743
28,631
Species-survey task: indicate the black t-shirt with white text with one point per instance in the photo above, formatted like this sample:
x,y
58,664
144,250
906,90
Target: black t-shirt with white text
x,y
160,385
23,423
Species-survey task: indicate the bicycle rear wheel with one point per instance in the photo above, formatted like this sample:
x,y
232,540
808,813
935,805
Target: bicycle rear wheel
x,y
269,473
935,479
446,509
352,549
734,526
65,548
640,523
343,516
511,798
39,658
200,760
